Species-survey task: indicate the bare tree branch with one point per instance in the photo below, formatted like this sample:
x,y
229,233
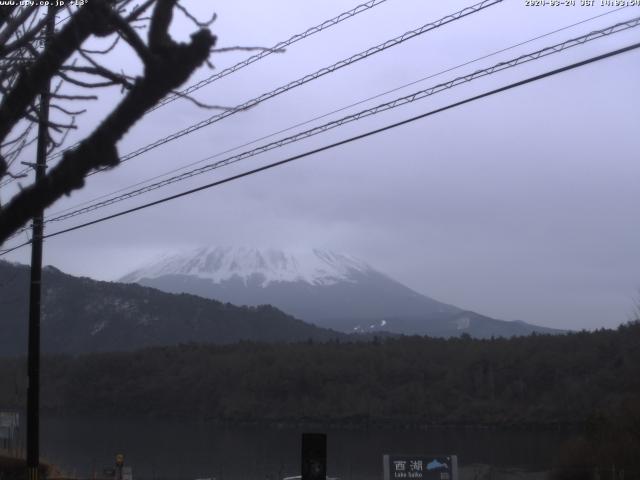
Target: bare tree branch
x,y
199,103
73,97
5,12
14,23
138,11
167,65
197,22
101,52
32,80
130,36
68,112
28,36
58,143
248,49
159,28
81,83
17,176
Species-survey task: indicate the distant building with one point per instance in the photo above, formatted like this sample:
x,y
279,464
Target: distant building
x,y
9,425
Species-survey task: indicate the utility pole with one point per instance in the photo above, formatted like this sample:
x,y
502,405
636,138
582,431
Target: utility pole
x,y
33,383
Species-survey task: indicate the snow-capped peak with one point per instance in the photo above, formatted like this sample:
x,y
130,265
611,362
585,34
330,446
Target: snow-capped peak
x,y
316,267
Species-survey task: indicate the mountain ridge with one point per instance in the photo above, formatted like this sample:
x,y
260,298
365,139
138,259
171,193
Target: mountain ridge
x,y
328,289
81,315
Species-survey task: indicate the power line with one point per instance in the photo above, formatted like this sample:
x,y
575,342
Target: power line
x,y
304,80
346,141
9,179
240,65
319,117
619,27
278,46
309,77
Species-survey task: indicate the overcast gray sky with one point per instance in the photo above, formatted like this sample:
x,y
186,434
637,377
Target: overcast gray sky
x,y
518,206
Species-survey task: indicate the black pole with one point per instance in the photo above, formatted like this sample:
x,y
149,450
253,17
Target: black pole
x,y
33,384
313,463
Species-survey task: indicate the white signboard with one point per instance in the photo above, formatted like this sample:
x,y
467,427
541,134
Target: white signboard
x,y
420,467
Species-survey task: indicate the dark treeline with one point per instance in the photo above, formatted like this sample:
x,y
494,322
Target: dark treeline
x,y
540,379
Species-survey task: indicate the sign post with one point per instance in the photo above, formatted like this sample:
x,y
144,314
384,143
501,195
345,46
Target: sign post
x,y
119,466
420,467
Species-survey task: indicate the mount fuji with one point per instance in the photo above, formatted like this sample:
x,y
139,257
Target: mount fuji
x,y
328,289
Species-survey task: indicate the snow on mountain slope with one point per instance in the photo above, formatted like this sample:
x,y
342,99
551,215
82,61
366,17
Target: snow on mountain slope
x,y
313,285
315,267
331,290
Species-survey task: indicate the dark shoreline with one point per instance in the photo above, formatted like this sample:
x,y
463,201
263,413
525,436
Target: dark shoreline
x,y
346,424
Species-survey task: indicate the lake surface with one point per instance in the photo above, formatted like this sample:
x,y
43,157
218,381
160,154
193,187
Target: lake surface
x,y
161,449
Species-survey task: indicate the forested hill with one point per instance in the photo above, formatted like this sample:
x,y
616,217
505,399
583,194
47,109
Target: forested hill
x,y
80,315
539,379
